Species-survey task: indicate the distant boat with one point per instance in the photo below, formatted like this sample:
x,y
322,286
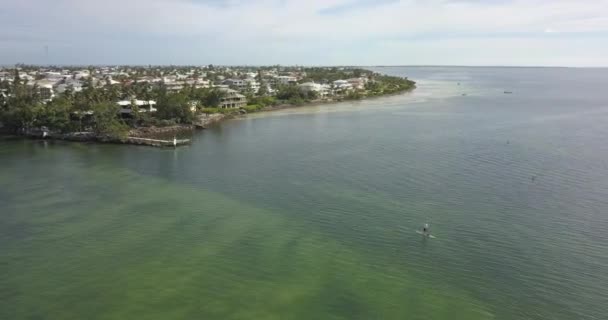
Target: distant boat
x,y
464,94
508,92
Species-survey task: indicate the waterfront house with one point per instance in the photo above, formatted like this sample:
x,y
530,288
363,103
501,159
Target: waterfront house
x,y
357,83
320,89
342,85
232,99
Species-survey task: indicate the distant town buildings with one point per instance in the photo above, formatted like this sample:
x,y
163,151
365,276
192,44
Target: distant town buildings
x,y
235,82
243,85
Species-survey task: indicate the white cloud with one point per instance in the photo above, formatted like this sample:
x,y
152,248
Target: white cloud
x,y
250,32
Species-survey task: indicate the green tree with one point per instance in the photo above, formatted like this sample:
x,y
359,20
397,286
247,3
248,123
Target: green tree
x,y
263,89
292,94
248,90
106,122
263,101
23,107
213,98
5,85
175,107
111,92
312,95
56,115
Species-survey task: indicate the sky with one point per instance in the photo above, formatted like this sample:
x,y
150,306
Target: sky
x,y
305,32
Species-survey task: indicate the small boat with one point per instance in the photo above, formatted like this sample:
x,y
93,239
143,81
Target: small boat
x,y
508,92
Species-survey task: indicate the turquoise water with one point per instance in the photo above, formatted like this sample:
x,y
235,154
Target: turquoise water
x,y
310,213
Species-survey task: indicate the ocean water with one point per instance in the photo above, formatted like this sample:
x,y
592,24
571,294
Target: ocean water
x,y
311,213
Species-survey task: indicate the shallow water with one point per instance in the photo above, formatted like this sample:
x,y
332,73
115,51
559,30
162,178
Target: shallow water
x,y
311,213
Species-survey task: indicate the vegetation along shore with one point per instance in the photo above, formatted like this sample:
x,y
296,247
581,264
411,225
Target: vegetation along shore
x,y
145,105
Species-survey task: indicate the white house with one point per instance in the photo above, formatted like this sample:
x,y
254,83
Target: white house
x,y
82,74
174,86
76,86
142,105
56,76
169,79
199,83
312,86
24,76
45,89
46,92
236,83
357,83
342,85
243,85
286,80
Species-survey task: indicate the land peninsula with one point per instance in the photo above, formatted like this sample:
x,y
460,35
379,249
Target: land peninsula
x,y
143,105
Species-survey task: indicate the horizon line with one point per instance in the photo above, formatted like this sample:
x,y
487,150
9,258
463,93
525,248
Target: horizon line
x,y
300,65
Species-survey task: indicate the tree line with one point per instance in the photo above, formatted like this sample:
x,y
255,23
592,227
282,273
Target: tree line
x,y
95,106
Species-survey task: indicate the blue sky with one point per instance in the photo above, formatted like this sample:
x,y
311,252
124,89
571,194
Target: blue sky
x,y
312,32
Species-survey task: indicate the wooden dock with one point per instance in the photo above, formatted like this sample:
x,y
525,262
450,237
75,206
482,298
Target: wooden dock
x,y
157,142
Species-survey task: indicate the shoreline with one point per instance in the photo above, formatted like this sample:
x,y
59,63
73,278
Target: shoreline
x,y
161,136
325,102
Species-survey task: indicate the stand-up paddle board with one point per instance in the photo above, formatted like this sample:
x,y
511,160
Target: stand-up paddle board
x,y
425,234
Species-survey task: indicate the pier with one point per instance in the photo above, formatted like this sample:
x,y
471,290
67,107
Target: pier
x,y
157,142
